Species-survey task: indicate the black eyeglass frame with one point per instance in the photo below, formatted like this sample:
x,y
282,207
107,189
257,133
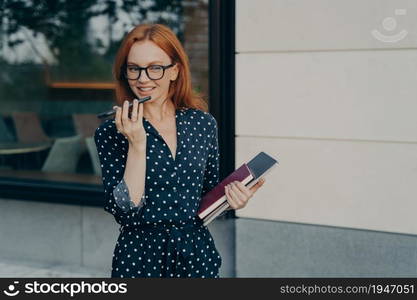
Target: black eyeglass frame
x,y
124,71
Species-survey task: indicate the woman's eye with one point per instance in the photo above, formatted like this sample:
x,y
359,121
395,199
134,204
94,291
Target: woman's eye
x,y
155,68
132,69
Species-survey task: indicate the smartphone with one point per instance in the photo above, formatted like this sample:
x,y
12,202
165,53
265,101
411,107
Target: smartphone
x,y
113,111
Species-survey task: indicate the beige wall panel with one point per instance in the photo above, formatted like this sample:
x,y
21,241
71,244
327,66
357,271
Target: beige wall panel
x,y
364,95
305,25
362,185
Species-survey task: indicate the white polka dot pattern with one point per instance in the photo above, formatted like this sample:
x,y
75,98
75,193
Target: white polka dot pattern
x,y
173,190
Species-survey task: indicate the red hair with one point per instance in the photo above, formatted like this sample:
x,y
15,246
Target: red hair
x,y
180,90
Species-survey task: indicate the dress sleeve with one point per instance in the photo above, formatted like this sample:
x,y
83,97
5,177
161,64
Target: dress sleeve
x,y
123,199
112,160
211,174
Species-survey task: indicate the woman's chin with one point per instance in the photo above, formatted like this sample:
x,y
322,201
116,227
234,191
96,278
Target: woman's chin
x,y
141,96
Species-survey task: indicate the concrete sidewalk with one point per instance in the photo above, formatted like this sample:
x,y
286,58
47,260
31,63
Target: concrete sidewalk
x,y
15,269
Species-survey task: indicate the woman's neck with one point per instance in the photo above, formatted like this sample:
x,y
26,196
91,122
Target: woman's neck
x,y
159,111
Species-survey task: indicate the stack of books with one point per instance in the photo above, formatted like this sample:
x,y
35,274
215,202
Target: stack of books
x,y
214,202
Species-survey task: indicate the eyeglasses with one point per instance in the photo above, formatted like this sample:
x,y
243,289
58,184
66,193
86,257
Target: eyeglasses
x,y
154,72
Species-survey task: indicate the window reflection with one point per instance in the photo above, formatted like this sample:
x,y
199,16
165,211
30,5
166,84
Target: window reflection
x,y
55,70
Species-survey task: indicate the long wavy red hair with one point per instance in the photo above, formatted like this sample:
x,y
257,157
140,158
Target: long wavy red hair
x,y
180,90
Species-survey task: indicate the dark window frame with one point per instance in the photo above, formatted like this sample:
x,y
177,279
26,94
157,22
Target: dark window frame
x,y
222,106
222,80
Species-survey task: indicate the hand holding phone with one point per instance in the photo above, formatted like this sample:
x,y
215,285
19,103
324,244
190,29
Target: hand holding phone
x,y
131,126
112,112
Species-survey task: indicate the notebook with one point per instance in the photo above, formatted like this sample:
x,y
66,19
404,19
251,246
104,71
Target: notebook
x,y
212,199
259,167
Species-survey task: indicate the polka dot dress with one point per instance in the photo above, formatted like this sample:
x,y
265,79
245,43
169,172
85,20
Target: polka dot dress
x,y
163,236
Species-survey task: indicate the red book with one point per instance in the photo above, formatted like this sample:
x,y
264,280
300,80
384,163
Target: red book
x,y
259,167
216,197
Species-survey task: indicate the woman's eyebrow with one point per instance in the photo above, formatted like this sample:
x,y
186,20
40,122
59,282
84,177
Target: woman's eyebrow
x,y
152,62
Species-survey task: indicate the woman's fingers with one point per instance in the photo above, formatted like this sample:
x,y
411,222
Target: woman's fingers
x,y
130,123
117,119
240,197
134,117
243,189
237,194
234,197
230,198
140,111
125,116
257,185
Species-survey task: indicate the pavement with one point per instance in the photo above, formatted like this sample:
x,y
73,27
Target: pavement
x,y
19,269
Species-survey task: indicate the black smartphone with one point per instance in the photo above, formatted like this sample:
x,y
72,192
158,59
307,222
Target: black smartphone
x,y
113,111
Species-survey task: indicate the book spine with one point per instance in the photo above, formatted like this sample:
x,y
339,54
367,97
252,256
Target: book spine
x,y
210,218
214,211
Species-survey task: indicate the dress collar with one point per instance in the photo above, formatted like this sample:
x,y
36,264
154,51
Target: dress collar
x,y
179,120
179,112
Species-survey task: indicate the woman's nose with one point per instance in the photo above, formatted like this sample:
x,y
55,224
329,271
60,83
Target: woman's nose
x,y
143,77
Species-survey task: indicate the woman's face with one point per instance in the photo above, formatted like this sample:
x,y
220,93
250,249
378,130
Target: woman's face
x,y
144,54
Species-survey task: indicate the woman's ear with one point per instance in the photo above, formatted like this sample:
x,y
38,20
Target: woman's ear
x,y
175,71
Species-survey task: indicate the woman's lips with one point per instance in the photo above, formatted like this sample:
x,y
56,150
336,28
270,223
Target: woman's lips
x,y
146,93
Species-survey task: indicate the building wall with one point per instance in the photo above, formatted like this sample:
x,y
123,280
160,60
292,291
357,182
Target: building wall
x,y
334,101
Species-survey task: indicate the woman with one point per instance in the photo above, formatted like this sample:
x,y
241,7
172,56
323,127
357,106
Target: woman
x,y
159,161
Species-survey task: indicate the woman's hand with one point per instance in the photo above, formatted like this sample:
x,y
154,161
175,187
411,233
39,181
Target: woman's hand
x,y
237,194
131,128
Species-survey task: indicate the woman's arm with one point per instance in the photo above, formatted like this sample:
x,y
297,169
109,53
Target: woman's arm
x,y
123,168
135,172
112,152
131,192
211,173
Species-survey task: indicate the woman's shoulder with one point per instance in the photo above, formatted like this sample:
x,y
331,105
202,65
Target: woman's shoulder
x,y
201,117
107,129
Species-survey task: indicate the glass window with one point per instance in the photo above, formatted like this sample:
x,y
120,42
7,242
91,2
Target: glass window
x,y
55,69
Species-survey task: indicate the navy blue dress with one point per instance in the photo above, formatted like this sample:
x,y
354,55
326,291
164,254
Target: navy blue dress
x,y
163,236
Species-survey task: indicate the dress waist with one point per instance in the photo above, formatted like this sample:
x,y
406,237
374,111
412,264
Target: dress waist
x,y
180,250
196,222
